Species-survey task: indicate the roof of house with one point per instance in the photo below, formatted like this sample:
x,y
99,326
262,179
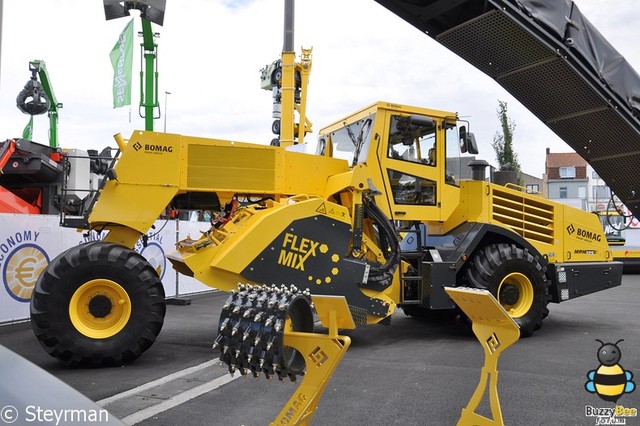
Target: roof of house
x,y
565,159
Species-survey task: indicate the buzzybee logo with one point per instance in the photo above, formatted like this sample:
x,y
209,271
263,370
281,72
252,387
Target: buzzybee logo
x,y
610,381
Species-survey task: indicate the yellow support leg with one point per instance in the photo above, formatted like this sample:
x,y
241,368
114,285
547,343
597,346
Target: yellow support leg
x,y
496,331
322,354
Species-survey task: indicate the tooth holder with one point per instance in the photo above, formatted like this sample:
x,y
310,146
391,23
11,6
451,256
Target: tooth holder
x,y
269,330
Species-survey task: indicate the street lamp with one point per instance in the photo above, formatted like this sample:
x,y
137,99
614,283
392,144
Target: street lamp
x,y
165,110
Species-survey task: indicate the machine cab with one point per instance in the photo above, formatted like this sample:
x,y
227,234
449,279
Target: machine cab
x,y
412,154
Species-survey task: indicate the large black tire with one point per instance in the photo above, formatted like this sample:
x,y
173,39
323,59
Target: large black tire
x,y
517,279
97,304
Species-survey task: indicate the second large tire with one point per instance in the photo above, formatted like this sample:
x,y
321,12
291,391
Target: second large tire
x,y
518,281
97,304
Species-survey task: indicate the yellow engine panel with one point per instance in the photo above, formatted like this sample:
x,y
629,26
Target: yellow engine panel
x,y
559,232
154,167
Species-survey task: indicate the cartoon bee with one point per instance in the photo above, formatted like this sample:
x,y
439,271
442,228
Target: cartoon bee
x,y
609,380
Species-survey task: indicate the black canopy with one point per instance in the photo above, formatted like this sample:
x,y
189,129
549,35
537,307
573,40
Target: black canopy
x,y
557,64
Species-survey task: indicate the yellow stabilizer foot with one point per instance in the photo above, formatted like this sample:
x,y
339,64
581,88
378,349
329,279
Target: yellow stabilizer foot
x,y
496,331
322,354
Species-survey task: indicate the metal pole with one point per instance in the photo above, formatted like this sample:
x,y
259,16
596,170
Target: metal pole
x,y
165,110
287,121
177,240
150,93
177,300
289,18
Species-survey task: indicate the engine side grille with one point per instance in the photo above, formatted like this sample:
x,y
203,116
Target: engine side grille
x,y
526,215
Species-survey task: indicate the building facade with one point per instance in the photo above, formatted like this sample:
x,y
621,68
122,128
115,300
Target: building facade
x,y
567,181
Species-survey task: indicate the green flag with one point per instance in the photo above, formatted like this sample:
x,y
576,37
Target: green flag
x,y
122,61
28,130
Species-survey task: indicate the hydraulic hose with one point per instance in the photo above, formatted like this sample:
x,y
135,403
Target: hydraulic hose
x,y
381,275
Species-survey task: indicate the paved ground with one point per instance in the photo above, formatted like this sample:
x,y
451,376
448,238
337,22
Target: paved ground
x,y
408,373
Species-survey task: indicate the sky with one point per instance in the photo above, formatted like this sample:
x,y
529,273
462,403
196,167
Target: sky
x,y
210,53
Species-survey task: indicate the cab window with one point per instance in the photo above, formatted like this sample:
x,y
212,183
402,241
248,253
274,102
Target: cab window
x,y
351,142
414,190
453,168
413,139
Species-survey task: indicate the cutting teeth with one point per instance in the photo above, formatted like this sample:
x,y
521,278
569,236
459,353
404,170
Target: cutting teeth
x,y
224,324
216,343
251,330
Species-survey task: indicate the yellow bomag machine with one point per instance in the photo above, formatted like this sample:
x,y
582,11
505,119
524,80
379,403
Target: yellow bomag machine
x,y
378,215
378,218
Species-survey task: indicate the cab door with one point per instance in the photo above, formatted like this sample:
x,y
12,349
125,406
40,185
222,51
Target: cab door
x,y
412,167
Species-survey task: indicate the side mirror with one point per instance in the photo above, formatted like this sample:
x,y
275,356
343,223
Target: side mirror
x,y
467,142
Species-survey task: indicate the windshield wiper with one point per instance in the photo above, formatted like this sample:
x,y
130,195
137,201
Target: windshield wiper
x,y
358,142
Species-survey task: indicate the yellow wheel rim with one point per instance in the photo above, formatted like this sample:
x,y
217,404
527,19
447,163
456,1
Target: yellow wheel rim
x,y
515,294
100,309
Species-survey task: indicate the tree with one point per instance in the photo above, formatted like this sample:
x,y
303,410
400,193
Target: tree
x,y
503,142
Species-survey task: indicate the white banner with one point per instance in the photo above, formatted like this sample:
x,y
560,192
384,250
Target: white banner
x,y
29,242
